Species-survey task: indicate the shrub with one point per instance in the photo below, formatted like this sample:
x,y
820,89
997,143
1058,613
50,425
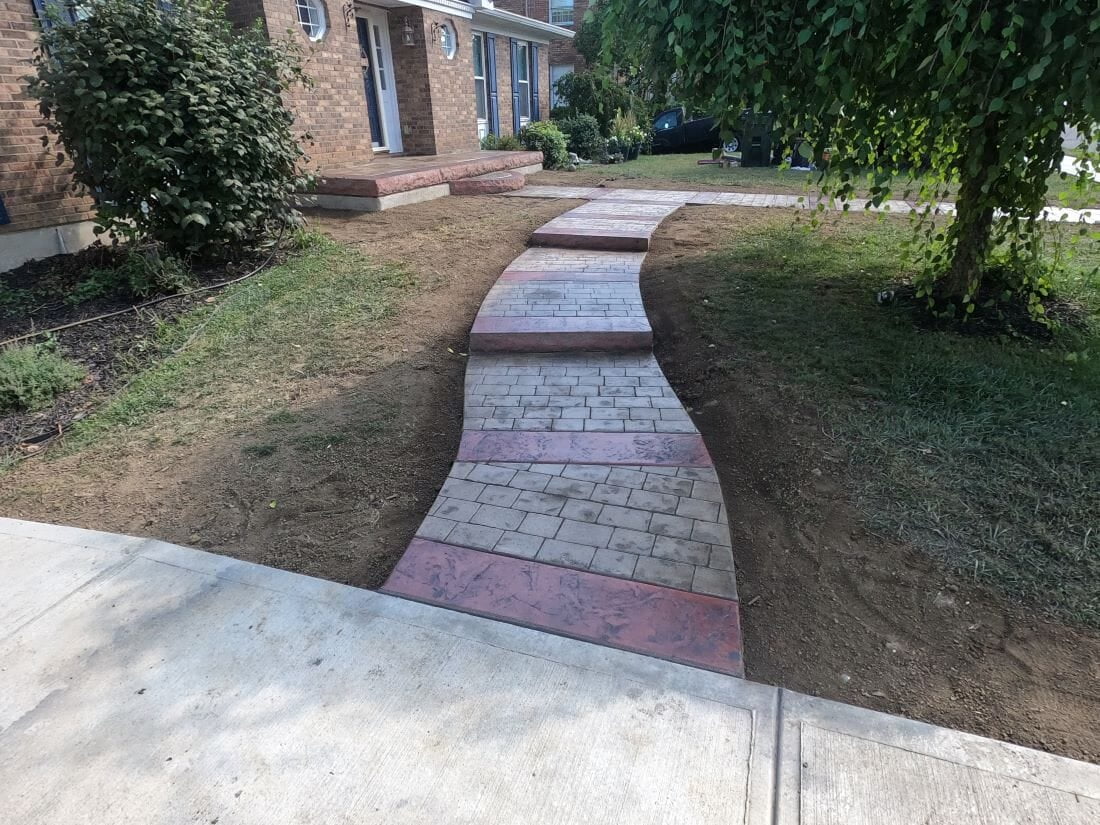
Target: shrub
x,y
547,138
508,143
583,136
174,119
597,94
32,376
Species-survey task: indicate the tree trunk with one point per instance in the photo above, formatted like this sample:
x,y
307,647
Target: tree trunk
x,y
971,230
973,225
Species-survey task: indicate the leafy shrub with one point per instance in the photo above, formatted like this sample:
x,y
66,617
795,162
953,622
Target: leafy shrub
x,y
174,119
139,274
508,143
583,136
32,376
547,138
596,93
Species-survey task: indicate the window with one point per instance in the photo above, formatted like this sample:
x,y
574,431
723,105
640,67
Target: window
x,y
447,41
556,74
481,89
668,120
311,15
561,12
523,81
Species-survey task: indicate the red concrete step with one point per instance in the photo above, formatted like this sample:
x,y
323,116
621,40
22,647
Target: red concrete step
x,y
689,628
615,240
491,184
389,176
540,334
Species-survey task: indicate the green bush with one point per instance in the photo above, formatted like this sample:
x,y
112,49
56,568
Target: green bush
x,y
583,136
547,138
138,274
508,143
33,376
174,119
598,94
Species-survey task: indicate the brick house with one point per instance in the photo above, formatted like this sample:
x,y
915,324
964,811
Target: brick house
x,y
390,78
568,14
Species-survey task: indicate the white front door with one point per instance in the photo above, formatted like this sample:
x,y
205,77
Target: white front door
x,y
380,58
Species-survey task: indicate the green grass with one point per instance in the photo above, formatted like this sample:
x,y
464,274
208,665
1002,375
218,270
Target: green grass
x,y
985,451
298,320
668,171
33,375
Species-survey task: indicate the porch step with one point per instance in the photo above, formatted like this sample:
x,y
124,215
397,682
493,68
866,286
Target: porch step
x,y
391,176
689,628
491,184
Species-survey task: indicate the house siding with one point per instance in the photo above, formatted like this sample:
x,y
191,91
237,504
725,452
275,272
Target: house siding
x,y
37,191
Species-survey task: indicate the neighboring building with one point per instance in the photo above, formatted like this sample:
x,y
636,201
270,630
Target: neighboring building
x,y
419,77
565,13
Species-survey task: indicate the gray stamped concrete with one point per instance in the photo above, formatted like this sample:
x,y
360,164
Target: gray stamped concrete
x,y
144,682
573,392
662,525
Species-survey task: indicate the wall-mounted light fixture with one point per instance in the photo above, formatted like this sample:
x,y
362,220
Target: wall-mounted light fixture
x,y
435,32
407,36
349,14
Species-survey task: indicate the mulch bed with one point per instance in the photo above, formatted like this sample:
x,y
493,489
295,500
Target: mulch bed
x,y
110,349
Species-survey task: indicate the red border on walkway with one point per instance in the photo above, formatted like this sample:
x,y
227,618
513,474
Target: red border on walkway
x,y
689,628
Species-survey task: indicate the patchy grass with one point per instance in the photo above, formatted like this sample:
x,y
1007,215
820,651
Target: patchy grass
x,y
684,172
295,321
985,451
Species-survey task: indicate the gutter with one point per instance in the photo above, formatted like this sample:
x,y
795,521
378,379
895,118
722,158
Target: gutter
x,y
512,22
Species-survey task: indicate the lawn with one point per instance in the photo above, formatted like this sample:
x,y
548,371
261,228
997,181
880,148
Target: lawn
x,y
983,450
683,171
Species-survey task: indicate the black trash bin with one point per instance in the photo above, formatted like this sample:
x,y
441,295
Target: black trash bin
x,y
756,138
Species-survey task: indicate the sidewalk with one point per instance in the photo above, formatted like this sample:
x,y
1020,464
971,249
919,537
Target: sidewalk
x,y
150,683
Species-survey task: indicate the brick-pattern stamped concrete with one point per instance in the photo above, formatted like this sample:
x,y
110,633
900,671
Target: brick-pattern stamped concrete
x,y
663,525
583,501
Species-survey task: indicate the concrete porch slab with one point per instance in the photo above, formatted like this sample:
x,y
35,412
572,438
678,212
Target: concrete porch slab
x,y
168,685
389,176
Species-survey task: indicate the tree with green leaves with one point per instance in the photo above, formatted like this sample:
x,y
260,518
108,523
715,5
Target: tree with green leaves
x,y
173,119
932,94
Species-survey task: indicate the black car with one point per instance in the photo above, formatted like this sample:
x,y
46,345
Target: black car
x,y
675,131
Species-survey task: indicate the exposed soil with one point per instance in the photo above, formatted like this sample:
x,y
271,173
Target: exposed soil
x,y
832,609
828,607
354,465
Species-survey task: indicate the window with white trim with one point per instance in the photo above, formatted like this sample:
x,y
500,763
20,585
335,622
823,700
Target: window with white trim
x,y
311,16
447,41
481,88
556,74
523,81
561,12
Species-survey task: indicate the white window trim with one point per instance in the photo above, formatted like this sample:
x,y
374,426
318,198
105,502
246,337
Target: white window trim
x,y
550,14
479,42
525,84
315,7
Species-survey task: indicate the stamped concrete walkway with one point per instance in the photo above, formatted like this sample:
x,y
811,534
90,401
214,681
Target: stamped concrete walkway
x,y
142,682
583,500
608,198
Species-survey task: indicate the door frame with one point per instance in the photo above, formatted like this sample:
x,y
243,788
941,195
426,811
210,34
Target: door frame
x,y
387,98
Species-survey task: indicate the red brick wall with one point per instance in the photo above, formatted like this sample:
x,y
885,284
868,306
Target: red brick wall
x,y
334,109
454,112
561,51
37,192
435,94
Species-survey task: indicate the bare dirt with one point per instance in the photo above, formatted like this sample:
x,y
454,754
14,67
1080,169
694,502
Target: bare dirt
x,y
828,607
353,466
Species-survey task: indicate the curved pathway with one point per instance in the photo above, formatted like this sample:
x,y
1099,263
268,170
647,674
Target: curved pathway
x,y
583,501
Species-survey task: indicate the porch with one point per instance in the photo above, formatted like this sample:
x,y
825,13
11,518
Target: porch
x,y
385,182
